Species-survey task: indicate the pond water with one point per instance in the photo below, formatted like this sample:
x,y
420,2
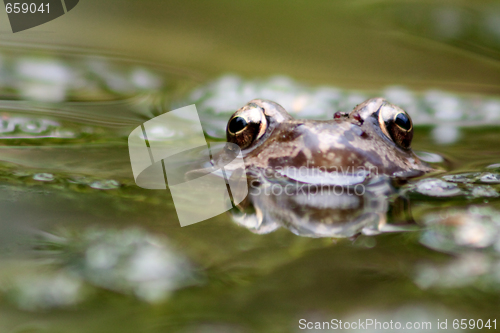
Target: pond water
x,y
84,249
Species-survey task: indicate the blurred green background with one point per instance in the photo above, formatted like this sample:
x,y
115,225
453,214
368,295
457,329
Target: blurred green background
x,y
354,43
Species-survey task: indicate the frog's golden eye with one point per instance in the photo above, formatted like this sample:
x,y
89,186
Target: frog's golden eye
x,y
236,125
246,126
396,125
403,121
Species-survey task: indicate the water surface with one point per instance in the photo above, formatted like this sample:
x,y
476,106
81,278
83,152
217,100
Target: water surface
x,y
84,249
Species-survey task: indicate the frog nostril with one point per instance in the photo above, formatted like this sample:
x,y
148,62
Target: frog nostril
x,y
358,118
340,114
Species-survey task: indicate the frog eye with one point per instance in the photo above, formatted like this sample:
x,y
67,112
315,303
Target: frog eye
x,y
246,126
396,125
237,124
403,121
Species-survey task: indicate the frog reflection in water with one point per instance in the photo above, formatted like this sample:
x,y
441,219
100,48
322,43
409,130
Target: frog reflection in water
x,y
374,140
375,136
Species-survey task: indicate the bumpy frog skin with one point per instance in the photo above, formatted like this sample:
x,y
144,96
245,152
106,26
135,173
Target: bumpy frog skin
x,y
375,136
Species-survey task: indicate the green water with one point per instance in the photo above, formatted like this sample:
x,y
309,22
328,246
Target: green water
x,y
83,249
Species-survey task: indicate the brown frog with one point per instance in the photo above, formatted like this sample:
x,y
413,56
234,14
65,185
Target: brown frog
x,y
376,136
